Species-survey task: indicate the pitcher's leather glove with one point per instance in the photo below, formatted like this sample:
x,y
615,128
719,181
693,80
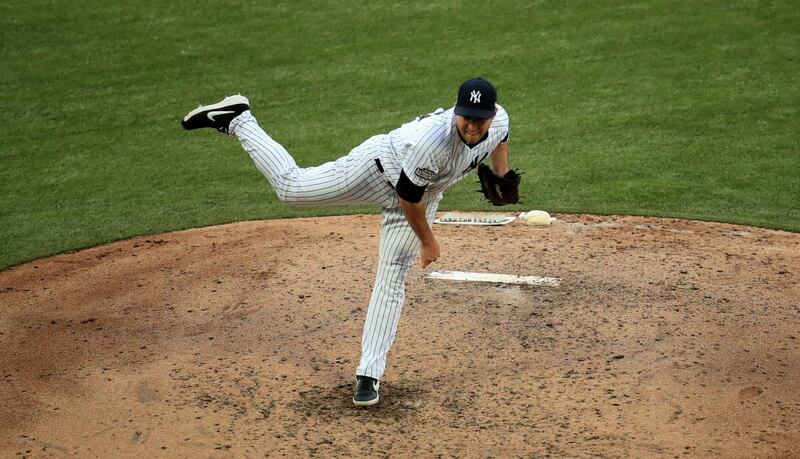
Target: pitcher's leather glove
x,y
500,191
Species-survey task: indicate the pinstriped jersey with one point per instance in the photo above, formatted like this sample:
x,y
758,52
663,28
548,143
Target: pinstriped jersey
x,y
431,153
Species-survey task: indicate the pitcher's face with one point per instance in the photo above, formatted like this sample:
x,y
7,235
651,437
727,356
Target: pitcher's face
x,y
472,129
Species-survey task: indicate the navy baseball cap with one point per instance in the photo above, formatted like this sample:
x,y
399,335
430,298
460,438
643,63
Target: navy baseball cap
x,y
476,98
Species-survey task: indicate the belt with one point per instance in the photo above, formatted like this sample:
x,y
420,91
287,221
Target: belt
x,y
383,172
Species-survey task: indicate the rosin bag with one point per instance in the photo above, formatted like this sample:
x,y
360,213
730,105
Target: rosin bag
x,y
537,218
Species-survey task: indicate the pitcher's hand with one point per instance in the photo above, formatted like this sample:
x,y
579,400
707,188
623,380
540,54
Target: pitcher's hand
x,y
428,253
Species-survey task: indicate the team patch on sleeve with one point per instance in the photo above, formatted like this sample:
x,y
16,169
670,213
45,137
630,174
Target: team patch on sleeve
x,y
425,174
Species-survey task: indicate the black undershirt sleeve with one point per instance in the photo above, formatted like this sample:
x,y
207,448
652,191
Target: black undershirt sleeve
x,y
408,190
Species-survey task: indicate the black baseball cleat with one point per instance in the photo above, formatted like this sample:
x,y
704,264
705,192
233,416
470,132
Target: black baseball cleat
x,y
366,391
217,116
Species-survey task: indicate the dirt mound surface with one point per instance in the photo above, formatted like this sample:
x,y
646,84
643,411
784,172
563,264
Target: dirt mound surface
x,y
665,338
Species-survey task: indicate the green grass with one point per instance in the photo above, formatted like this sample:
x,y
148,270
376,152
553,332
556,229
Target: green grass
x,y
681,109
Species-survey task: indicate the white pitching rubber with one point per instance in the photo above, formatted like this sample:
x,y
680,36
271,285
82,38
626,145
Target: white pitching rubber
x,y
496,278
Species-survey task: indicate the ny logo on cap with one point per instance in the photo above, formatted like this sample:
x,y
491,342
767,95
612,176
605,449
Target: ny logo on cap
x,y
475,97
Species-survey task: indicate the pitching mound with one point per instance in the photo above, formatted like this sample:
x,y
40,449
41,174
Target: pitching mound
x,y
665,338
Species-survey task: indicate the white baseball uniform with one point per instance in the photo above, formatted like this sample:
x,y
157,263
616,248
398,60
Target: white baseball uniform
x,y
430,153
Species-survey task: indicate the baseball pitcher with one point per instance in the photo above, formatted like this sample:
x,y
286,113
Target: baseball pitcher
x,y
405,172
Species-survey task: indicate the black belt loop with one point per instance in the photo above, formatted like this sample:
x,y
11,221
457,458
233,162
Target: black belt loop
x,y
385,175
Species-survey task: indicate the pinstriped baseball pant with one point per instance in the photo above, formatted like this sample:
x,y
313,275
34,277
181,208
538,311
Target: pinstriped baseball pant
x,y
398,252
351,179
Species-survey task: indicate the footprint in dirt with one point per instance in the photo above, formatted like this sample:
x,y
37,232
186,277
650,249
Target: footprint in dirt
x,y
146,392
750,392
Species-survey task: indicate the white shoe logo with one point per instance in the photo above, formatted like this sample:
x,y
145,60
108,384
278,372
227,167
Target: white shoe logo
x,y
211,115
475,97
